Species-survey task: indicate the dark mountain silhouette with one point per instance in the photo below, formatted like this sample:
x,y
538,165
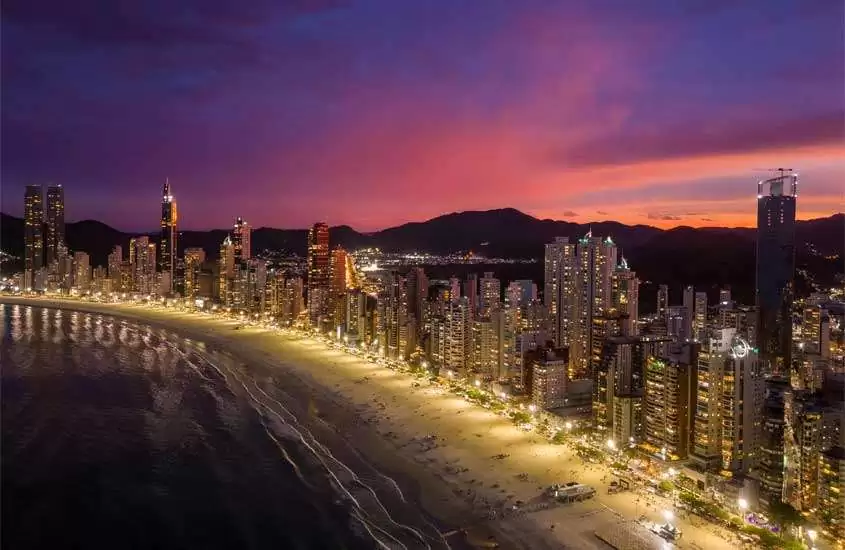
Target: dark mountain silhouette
x,y
704,257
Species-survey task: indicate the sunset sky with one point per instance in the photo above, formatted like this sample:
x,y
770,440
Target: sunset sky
x,y
374,113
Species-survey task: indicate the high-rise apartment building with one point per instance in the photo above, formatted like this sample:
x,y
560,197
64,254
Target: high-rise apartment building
x,y
662,302
699,322
81,272
226,270
115,268
167,251
776,206
626,297
33,235
771,464
471,292
319,273
194,258
491,294
242,240
669,400
593,298
55,234
561,267
832,490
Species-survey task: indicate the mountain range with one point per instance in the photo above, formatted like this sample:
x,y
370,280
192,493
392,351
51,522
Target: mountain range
x,y
711,255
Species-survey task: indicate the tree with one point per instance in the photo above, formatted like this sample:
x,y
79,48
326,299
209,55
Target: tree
x,y
665,486
785,515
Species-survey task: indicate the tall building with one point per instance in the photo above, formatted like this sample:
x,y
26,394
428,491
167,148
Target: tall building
x,y
471,292
33,235
319,273
832,490
776,205
242,240
662,302
772,462
115,268
167,251
561,267
699,323
549,378
344,277
226,270
142,257
626,297
81,272
593,299
689,312
55,235
669,400
491,294
743,391
194,258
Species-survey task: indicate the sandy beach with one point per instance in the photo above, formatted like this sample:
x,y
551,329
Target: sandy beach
x,y
451,448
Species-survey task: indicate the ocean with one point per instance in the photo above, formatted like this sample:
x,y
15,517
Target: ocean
x,y
117,434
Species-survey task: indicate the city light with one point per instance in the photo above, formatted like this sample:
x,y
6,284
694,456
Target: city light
x,y
611,444
668,515
743,504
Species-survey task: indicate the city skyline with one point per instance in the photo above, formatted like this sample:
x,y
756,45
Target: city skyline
x,y
330,111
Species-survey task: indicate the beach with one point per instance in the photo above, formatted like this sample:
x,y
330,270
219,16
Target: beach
x,y
458,460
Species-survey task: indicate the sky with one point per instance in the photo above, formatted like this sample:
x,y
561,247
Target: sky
x,y
379,112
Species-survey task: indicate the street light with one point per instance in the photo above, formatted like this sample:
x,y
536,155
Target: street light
x,y
532,407
568,425
611,444
812,534
743,505
668,515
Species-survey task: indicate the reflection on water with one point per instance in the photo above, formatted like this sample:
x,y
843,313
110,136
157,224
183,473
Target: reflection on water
x,y
122,435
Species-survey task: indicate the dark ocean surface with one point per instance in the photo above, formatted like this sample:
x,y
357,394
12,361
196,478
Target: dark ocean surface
x,y
121,435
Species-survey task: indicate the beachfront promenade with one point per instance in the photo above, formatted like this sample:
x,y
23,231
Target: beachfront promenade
x,y
483,458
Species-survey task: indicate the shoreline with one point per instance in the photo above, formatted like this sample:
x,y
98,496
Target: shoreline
x,y
384,414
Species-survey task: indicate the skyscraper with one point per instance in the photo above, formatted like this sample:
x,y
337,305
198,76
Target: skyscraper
x,y
776,205
55,237
561,267
319,272
491,292
33,234
167,243
242,240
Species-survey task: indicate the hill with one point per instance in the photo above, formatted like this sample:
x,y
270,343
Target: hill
x,y
705,257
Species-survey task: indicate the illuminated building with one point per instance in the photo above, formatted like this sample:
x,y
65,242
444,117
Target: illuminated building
x,y
561,268
594,298
226,270
451,336
677,323
742,399
471,292
669,399
242,241
626,296
771,464
663,302
549,379
292,303
832,490
811,322
689,312
344,277
167,243
699,323
55,234
803,449
729,396
417,294
33,235
115,268
725,297
319,273
81,272
620,373
194,258
776,204
491,294
627,418
485,348
142,257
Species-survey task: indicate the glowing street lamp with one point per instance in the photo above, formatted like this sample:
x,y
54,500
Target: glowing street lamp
x,y
532,407
743,504
478,383
568,425
668,515
811,533
611,444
